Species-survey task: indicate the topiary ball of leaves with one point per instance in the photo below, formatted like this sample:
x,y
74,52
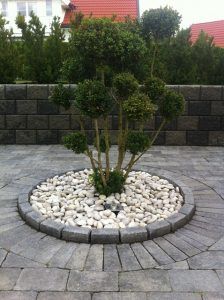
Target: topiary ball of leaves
x,y
115,183
62,96
172,105
137,142
139,107
125,85
154,88
92,99
76,142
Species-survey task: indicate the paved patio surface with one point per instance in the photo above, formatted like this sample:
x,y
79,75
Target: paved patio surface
x,y
187,264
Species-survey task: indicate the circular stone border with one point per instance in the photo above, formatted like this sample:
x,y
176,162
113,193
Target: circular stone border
x,y
110,236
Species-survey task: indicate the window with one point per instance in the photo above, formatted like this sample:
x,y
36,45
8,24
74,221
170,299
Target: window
x,y
32,7
21,8
49,8
4,8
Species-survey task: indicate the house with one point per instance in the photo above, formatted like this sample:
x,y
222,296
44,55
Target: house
x,y
47,9
214,29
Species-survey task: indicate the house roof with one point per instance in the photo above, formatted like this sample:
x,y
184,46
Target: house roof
x,y
214,29
103,8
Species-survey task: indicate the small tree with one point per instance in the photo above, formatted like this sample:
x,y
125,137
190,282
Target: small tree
x,y
7,54
157,25
94,99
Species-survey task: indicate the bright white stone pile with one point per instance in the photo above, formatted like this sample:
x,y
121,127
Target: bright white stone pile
x,y
71,200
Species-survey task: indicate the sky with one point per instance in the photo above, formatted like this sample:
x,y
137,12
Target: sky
x,y
192,11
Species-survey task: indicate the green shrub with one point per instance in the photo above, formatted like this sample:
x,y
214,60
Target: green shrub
x,y
115,182
92,99
125,85
154,88
137,142
62,96
76,142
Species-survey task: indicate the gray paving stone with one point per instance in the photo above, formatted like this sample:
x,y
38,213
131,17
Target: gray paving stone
x,y
78,259
188,210
213,296
127,258
92,281
8,278
194,281
24,208
191,241
62,256
208,220
76,234
119,296
180,265
177,221
16,261
105,236
221,276
218,246
159,255
94,261
144,281
213,236
42,279
52,228
182,245
216,229
170,249
143,256
64,296
204,240
12,295
111,259
209,260
34,219
133,235
8,227
158,229
3,254
173,296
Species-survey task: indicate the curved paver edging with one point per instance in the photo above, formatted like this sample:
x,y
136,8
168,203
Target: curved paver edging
x,y
110,236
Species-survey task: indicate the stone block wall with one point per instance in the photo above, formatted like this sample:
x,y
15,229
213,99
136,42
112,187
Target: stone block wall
x,y
28,117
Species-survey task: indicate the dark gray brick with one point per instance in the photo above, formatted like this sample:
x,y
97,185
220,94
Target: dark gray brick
x,y
2,122
216,138
199,108
52,228
2,91
16,122
209,123
197,138
37,91
190,92
34,219
105,236
25,137
37,122
47,137
187,123
76,234
46,107
177,138
177,221
7,137
59,122
169,126
133,235
217,108
7,107
15,91
157,229
188,210
211,92
26,107
24,208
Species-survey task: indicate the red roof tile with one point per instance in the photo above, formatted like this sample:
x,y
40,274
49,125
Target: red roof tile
x,y
104,8
215,29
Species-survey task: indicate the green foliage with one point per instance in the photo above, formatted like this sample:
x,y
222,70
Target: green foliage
x,y
76,142
102,144
154,88
171,105
92,99
125,85
139,107
8,59
160,23
62,96
137,142
115,182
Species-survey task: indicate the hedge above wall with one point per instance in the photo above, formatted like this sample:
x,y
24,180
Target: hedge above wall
x,y
27,117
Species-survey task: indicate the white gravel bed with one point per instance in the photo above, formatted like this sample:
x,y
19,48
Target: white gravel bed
x,y
71,199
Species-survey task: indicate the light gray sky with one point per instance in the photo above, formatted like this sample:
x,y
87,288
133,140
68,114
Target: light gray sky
x,y
192,11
